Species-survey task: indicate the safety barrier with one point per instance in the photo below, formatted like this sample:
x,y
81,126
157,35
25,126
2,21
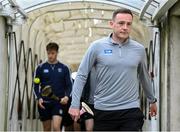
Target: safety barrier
x,y
29,62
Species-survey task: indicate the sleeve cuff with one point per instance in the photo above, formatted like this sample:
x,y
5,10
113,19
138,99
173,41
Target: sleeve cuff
x,y
153,101
75,107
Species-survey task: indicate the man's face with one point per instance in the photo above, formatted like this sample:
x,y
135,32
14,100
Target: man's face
x,y
121,25
52,55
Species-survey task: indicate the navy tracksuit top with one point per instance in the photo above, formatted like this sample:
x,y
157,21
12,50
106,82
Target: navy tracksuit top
x,y
57,76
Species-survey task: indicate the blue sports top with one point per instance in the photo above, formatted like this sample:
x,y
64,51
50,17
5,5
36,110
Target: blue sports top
x,y
57,76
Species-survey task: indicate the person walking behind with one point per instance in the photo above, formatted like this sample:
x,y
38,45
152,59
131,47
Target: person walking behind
x,y
52,87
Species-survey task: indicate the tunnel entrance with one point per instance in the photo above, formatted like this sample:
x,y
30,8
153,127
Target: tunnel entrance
x,y
73,25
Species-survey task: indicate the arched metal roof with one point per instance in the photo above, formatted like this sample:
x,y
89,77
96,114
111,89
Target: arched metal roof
x,y
151,9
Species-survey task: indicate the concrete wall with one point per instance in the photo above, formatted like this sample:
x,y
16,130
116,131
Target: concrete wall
x,y
174,42
164,93
3,74
170,73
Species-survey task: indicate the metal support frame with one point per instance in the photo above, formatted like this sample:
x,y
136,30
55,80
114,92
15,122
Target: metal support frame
x,y
10,13
120,4
19,9
164,7
144,8
1,6
7,12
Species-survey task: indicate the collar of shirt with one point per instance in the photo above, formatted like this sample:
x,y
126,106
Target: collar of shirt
x,y
52,63
116,43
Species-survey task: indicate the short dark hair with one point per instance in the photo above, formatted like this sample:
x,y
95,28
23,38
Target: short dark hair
x,y
121,10
52,46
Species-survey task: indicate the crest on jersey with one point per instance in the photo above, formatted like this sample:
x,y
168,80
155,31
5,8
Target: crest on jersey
x,y
60,112
59,70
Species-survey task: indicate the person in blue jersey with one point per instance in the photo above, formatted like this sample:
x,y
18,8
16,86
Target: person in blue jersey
x,y
56,76
86,121
88,98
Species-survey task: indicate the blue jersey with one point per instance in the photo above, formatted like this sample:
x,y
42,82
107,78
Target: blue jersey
x,y
57,76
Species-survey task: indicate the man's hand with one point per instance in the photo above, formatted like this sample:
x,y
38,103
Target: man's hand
x,y
64,100
75,113
153,109
40,103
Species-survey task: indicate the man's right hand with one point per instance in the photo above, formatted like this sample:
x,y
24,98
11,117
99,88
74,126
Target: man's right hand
x,y
40,103
75,113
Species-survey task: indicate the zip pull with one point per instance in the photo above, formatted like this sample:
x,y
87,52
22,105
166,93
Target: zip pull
x,y
120,51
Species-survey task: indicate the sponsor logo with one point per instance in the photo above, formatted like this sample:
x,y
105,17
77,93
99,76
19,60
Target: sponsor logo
x,y
46,71
108,52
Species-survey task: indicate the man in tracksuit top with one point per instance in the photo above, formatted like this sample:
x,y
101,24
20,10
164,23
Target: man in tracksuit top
x,y
56,75
120,64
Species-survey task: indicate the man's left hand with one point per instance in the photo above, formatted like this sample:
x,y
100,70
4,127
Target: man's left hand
x,y
153,109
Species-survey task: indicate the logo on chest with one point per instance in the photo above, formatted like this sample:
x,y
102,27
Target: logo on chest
x,y
46,71
108,52
59,70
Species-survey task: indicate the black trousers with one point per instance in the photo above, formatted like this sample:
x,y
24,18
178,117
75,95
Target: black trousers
x,y
119,120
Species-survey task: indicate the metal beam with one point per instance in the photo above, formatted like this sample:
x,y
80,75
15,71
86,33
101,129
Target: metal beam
x,y
1,6
108,2
13,3
19,9
163,8
144,8
7,12
23,13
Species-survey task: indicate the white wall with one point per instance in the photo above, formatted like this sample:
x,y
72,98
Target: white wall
x,y
174,42
170,73
3,74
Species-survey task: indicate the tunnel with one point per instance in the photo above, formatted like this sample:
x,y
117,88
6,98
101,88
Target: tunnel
x,y
27,26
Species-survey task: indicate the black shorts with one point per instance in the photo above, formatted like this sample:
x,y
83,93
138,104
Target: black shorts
x,y
118,120
86,115
52,108
55,108
67,120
